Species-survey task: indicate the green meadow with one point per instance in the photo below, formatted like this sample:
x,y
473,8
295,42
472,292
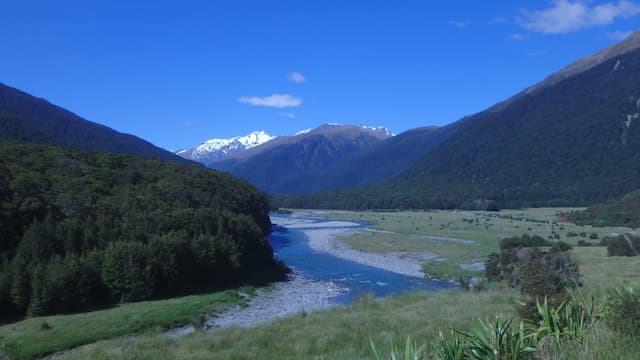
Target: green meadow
x,y
439,232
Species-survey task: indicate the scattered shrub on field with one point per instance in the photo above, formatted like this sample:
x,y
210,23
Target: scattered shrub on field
x,y
623,245
593,236
523,241
583,242
560,246
572,234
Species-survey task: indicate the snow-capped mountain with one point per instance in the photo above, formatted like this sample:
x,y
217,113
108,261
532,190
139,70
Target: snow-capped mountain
x,y
224,153
215,150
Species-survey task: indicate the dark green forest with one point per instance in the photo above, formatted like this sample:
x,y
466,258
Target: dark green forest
x,y
624,211
85,229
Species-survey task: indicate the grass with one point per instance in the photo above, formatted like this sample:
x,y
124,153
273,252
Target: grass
x,y
600,271
409,231
341,333
36,337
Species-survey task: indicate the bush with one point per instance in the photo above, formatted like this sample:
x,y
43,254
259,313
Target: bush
x,y
583,242
623,245
492,268
560,246
624,310
523,241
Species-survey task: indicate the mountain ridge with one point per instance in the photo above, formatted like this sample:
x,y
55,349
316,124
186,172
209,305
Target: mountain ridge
x,y
25,117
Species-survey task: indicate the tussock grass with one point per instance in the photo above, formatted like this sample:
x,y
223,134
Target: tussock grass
x,y
30,338
341,333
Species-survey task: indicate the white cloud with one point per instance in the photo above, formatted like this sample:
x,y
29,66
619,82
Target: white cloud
x,y
618,35
518,37
275,100
296,77
566,16
288,114
459,23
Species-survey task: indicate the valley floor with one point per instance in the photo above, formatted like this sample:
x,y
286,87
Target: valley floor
x,y
451,242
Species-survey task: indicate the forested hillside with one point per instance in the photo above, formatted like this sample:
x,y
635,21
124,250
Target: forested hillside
x,y
571,143
623,211
80,229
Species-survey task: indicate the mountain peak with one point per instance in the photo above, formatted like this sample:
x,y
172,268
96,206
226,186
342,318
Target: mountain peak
x,y
219,149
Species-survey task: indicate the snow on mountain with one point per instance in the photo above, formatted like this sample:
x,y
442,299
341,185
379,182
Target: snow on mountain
x,y
220,149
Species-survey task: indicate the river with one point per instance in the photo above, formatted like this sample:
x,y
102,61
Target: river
x,y
291,245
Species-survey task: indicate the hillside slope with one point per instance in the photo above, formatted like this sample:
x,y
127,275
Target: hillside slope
x,y
300,163
571,142
27,118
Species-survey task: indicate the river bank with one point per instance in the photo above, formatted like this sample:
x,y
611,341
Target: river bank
x,y
325,237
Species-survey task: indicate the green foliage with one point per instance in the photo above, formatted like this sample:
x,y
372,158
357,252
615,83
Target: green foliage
x,y
498,340
624,310
569,320
87,229
410,352
622,211
560,246
450,347
525,240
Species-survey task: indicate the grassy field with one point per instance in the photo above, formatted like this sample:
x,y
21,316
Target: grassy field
x,y
40,336
341,333
438,231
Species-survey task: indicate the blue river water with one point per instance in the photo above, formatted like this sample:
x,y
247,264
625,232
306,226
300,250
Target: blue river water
x,y
291,246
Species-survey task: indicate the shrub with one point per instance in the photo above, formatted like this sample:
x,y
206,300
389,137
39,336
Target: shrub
x,y
593,236
500,340
410,352
523,241
560,246
624,310
583,242
571,234
492,268
623,245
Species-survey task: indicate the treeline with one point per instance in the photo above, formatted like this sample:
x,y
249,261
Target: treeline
x,y
624,211
81,229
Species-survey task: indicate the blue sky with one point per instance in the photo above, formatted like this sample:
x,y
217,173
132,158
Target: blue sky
x,y
179,72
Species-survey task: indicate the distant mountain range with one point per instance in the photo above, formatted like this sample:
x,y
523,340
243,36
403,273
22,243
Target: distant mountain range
x,y
303,162
30,119
572,139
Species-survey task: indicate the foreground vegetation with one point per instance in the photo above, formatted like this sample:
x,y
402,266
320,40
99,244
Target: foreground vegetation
x,y
40,336
81,229
341,333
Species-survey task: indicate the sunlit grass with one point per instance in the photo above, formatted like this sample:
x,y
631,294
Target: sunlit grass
x,y
342,333
31,338
409,232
